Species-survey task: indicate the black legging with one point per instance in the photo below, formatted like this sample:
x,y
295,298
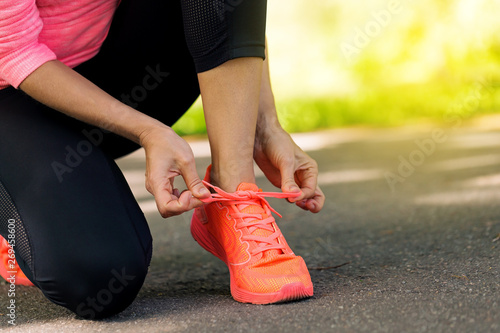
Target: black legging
x,y
80,234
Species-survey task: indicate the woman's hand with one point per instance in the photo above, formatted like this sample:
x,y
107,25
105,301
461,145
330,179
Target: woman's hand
x,y
168,156
287,166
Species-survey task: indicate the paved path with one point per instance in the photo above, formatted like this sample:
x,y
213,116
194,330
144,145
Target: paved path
x,y
408,241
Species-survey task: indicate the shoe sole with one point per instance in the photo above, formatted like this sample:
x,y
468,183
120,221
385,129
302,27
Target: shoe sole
x,y
289,292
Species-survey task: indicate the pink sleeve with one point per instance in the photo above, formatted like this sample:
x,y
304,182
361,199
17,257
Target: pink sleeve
x,y
20,51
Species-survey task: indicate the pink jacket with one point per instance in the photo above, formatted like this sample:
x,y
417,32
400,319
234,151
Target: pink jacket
x,y
33,32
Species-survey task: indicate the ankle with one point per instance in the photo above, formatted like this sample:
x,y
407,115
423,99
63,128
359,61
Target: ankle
x,y
228,179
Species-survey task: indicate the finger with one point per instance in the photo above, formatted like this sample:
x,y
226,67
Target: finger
x,y
163,193
302,204
314,204
168,204
191,201
271,172
167,199
193,182
309,205
308,180
171,202
320,199
288,184
179,205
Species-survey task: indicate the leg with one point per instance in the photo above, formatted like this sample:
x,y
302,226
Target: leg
x,y
230,100
238,227
227,43
84,241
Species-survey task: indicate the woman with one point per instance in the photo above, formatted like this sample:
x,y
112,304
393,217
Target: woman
x,y
85,82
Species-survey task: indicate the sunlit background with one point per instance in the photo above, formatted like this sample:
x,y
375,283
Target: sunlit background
x,y
379,63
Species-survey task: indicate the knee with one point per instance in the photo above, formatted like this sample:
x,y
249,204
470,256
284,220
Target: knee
x,y
109,295
98,290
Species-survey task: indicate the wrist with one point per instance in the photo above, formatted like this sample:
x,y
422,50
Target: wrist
x,y
130,123
153,133
268,126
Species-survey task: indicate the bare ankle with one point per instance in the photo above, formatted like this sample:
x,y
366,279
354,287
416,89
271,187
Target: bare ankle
x,y
228,179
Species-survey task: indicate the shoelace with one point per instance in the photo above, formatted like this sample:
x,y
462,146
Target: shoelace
x,y
242,199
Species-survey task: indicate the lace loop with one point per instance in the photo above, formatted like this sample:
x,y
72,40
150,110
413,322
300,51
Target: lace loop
x,y
222,195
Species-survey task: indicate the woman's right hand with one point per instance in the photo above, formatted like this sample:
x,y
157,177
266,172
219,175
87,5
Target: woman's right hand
x,y
168,156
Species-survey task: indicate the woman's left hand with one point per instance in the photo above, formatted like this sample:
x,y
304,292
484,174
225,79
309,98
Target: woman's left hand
x,y
287,166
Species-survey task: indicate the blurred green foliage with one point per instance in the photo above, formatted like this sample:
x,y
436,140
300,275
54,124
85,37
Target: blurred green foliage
x,y
381,63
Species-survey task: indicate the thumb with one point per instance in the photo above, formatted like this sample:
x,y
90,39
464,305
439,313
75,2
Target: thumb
x,y
288,184
194,184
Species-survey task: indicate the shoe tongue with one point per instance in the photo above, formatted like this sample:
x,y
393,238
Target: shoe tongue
x,y
248,187
254,209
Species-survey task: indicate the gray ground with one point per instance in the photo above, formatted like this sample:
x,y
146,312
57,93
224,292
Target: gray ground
x,y
421,258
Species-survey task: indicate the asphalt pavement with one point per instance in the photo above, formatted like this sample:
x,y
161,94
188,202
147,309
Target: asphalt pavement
x,y
408,241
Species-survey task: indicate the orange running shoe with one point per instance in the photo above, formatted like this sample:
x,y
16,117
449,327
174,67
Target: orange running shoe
x,y
9,269
239,229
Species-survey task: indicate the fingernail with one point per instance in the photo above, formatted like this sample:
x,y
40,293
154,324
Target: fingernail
x,y
203,191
